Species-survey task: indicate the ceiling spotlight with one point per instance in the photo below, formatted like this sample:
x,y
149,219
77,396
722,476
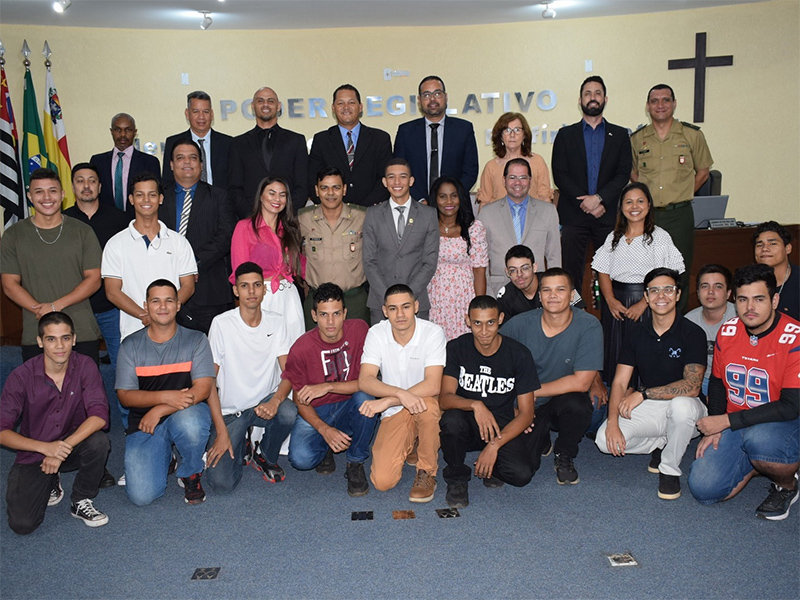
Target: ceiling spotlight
x,y
61,5
548,13
206,20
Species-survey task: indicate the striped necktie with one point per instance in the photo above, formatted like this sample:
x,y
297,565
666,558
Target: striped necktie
x,y
187,208
351,150
518,222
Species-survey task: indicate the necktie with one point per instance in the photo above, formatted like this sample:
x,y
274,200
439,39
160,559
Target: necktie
x,y
119,194
351,150
518,223
401,222
204,174
187,208
433,171
266,147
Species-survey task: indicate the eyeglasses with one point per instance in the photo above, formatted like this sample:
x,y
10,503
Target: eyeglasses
x,y
668,290
517,177
514,130
438,94
523,270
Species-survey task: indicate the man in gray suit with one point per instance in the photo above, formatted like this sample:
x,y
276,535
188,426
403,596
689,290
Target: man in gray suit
x,y
520,219
401,242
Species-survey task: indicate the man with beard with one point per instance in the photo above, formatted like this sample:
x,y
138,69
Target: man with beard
x,y
267,150
591,165
435,145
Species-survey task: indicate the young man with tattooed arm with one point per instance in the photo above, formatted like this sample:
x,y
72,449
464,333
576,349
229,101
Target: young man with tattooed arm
x,y
658,414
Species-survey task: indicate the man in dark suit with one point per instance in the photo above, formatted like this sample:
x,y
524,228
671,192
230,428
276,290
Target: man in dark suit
x,y
591,165
358,151
207,222
119,166
215,146
401,242
435,145
266,150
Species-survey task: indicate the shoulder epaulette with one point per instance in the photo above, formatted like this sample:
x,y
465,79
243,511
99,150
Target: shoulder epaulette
x,y
640,128
357,207
690,125
306,209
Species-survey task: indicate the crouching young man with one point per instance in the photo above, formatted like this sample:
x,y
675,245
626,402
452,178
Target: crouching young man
x,y
60,402
485,374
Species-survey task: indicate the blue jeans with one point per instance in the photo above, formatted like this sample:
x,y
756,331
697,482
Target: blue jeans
x,y
225,476
109,327
714,476
307,447
147,457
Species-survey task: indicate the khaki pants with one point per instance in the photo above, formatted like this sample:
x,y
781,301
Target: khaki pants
x,y
395,440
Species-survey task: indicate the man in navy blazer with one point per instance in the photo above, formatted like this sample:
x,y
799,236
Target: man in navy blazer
x,y
266,150
591,164
394,253
215,145
113,187
454,142
210,225
370,149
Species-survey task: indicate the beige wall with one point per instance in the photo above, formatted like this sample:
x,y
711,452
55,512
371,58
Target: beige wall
x,y
752,123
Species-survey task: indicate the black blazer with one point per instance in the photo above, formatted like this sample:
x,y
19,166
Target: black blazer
x,y
140,163
373,151
459,153
209,232
246,168
569,173
220,148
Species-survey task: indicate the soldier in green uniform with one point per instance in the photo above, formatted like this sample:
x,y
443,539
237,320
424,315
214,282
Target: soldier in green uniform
x,y
332,239
673,159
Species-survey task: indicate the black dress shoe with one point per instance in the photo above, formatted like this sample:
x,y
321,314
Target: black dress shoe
x,y
108,480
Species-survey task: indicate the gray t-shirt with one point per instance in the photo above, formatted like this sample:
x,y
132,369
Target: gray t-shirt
x,y
51,269
578,348
696,317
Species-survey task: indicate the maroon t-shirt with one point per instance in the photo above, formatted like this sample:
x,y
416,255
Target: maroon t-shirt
x,y
312,360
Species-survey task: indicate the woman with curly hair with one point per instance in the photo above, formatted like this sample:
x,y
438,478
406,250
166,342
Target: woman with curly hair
x,y
511,138
463,257
270,237
635,247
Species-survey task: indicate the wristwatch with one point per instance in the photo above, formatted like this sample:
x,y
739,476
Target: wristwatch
x,y
643,391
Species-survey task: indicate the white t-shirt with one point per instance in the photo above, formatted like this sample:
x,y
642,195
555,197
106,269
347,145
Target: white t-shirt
x,y
404,366
247,358
128,257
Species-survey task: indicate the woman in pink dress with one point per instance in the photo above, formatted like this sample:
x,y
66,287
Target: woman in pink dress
x,y
463,257
271,239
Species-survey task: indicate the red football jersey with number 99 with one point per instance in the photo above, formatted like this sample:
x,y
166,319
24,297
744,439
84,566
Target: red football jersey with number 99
x,y
755,371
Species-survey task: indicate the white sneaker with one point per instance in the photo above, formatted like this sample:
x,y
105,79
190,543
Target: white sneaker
x,y
121,480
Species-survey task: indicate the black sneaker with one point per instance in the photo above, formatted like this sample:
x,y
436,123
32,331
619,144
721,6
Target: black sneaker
x,y
328,464
272,473
655,460
84,509
173,465
493,482
457,494
776,506
248,452
193,492
547,449
565,470
57,493
669,486
107,480
356,480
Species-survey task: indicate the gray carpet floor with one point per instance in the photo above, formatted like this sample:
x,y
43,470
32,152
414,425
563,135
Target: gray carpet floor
x,y
296,539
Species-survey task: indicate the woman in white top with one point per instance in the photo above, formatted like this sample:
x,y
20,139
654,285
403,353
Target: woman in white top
x,y
634,248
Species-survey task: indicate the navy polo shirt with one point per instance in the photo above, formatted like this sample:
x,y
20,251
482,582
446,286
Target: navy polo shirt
x,y
660,359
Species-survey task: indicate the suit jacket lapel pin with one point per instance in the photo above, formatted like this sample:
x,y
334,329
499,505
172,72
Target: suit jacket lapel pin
x,y
411,221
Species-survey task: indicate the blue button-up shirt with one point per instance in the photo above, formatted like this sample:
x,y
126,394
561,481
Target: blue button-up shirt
x,y
593,139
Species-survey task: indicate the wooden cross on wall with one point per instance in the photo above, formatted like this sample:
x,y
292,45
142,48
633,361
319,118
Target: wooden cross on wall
x,y
699,63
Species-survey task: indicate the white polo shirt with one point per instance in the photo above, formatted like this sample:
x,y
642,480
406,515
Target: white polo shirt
x,y
128,256
404,366
247,358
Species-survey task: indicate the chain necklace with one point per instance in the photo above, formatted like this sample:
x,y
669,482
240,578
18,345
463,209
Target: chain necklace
x,y
60,229
785,277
